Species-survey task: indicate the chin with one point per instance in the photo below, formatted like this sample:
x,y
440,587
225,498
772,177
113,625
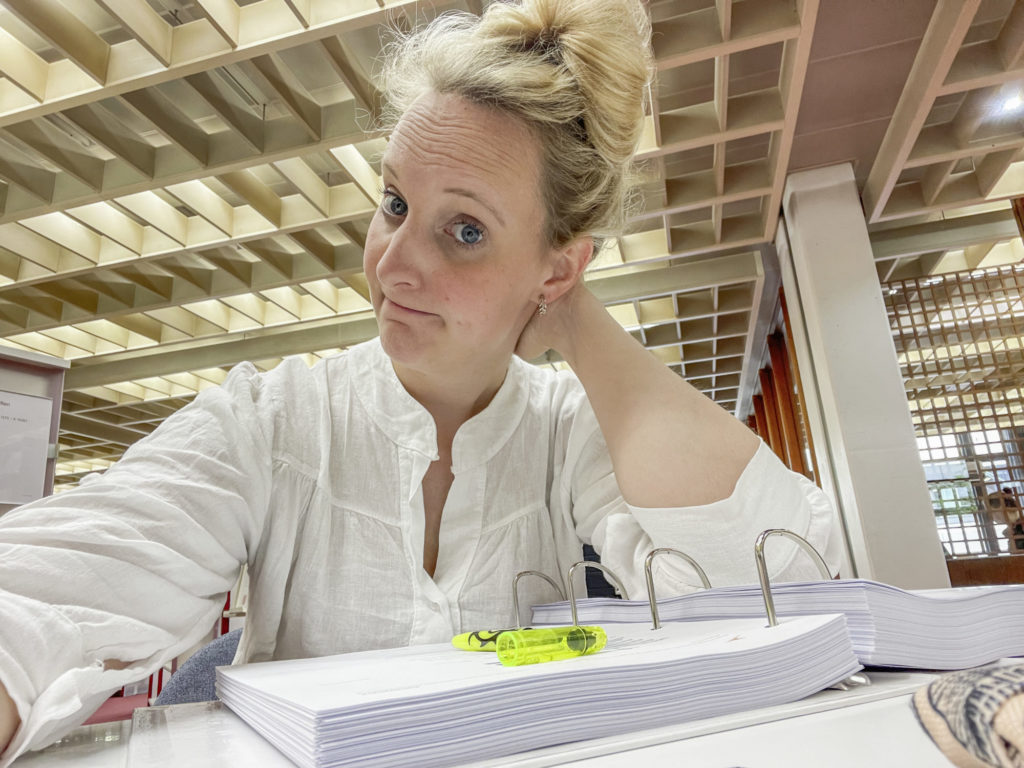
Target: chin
x,y
401,347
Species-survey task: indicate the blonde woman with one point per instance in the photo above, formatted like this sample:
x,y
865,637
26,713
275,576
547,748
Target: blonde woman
x,y
389,495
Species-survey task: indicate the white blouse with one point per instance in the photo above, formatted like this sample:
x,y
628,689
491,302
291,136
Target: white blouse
x,y
313,477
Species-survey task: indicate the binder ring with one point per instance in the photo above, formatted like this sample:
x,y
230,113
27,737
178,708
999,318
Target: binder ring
x,y
762,568
515,591
649,573
605,570
856,679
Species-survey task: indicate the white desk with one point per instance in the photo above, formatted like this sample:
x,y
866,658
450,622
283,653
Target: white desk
x,y
870,726
880,734
873,725
91,746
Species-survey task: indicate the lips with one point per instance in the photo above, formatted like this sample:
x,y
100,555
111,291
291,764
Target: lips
x,y
402,309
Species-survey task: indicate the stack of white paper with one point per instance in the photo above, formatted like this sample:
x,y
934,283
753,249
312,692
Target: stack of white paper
x,y
889,627
434,705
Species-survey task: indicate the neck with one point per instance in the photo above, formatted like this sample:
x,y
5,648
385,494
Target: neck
x,y
452,398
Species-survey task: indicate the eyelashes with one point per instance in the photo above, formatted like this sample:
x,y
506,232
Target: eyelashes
x,y
466,233
392,204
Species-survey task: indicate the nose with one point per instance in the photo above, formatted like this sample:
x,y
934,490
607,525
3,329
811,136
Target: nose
x,y
398,265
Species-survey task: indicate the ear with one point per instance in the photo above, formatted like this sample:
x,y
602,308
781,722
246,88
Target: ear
x,y
569,261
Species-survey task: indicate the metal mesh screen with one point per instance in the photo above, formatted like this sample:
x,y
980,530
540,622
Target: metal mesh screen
x,y
959,341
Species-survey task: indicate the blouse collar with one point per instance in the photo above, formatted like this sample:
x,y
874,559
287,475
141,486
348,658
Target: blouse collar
x,y
409,425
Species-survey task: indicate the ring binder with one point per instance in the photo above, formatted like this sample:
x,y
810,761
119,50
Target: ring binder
x,y
515,590
762,568
648,572
433,705
853,681
572,591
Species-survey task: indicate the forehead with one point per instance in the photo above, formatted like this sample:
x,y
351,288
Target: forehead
x,y
448,135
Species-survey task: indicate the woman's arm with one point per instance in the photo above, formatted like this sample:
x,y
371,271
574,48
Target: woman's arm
x,y
129,569
670,445
9,720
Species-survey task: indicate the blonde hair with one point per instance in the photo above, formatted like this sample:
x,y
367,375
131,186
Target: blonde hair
x,y
573,70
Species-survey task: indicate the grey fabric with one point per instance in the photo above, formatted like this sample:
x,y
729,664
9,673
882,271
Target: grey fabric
x,y
195,681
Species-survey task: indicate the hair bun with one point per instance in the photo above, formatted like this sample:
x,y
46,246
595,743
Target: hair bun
x,y
604,45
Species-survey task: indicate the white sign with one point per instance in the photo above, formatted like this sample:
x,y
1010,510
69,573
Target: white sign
x,y
24,437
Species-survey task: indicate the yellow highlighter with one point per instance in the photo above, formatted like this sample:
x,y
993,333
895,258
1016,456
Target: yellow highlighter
x,y
516,647
481,640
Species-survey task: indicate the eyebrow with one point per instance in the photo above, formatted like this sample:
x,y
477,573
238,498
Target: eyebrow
x,y
473,196
457,191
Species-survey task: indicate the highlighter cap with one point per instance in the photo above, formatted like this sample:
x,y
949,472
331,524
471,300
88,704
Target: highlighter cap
x,y
533,646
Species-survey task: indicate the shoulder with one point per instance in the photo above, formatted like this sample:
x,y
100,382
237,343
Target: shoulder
x,y
247,382
555,393
304,373
287,390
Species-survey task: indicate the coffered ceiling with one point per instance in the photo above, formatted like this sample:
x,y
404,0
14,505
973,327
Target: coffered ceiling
x,y
185,184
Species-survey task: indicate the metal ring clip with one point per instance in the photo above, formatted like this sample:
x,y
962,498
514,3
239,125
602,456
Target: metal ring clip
x,y
515,591
648,572
853,681
762,568
605,570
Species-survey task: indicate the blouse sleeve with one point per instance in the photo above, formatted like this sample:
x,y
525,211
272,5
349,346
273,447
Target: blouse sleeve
x,y
720,536
132,566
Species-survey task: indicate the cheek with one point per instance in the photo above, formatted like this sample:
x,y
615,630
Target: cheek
x,y
482,305
461,301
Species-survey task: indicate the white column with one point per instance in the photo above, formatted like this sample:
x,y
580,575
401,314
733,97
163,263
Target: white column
x,y
858,412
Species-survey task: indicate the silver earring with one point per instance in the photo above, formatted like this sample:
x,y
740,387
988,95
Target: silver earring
x,y
542,306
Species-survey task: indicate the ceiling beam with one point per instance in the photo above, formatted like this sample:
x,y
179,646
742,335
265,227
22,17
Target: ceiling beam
x,y
948,26
265,28
749,114
796,54
80,425
243,121
52,21
691,276
986,64
96,122
225,16
347,204
144,24
946,234
234,348
21,65
191,144
698,36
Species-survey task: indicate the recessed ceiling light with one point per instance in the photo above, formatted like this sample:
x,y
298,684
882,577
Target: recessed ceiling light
x,y
1013,103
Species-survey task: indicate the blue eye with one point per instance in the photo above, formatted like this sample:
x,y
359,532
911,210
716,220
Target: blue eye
x,y
393,205
468,234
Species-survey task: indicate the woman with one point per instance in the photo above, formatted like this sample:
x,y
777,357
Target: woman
x,y
389,495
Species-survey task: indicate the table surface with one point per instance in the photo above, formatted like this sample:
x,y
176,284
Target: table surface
x,y
90,746
828,728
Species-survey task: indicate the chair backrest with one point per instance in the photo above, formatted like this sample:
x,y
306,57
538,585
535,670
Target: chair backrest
x,y
196,679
